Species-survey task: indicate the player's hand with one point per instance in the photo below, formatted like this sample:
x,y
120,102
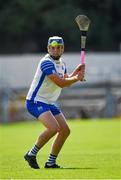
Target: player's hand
x,y
80,67
81,73
80,76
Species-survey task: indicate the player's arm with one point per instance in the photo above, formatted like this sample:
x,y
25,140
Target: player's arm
x,y
77,75
63,82
80,67
48,69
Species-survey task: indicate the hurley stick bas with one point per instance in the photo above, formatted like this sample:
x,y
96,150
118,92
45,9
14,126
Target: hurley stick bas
x,y
83,23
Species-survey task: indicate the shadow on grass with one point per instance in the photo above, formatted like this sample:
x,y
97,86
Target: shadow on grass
x,y
83,168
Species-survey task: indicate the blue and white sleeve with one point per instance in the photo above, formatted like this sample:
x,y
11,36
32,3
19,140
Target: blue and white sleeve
x,y
48,67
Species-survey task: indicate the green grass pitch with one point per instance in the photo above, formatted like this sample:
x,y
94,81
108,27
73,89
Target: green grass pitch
x,y
92,151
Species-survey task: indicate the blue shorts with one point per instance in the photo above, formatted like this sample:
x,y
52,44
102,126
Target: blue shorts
x,y
37,108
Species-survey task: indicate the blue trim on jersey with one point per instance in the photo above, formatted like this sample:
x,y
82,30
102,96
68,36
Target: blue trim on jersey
x,y
38,86
47,67
65,71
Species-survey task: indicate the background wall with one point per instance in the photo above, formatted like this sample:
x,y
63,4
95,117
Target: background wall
x,y
17,71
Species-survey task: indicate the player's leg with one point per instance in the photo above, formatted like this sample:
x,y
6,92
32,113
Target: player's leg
x,y
62,135
52,127
59,141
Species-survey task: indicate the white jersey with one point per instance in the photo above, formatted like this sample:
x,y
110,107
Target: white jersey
x,y
43,88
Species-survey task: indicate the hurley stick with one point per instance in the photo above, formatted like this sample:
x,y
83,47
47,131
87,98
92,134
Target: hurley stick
x,y
83,23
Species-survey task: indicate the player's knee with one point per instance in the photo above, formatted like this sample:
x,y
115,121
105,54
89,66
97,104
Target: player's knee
x,y
53,130
65,132
68,131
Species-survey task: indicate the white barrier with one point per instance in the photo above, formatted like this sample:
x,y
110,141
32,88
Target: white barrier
x,y
17,71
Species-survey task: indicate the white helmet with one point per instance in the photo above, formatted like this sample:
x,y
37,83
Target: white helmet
x,y
55,41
